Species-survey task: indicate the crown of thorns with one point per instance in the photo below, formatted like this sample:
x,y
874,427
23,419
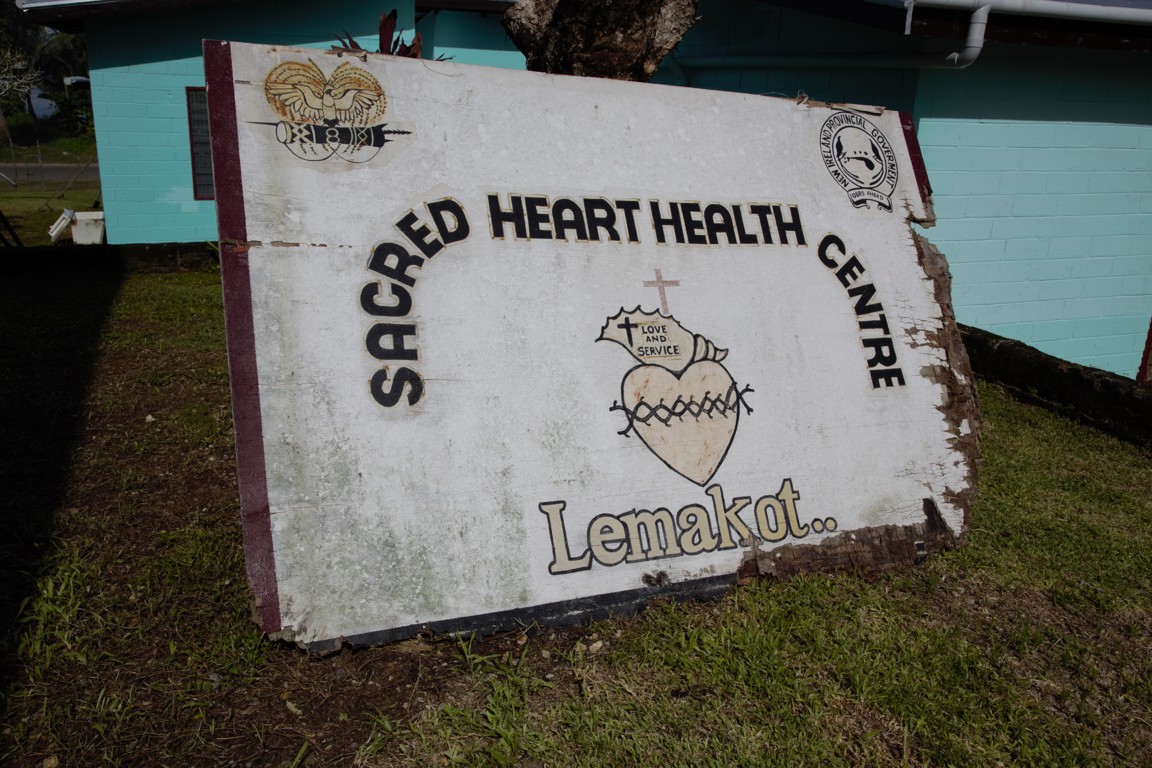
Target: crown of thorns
x,y
709,406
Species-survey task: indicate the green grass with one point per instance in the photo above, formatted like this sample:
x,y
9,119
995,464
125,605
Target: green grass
x,y
33,208
34,204
61,149
1026,647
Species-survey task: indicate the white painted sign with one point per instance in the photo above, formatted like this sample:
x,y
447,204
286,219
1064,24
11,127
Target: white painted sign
x,y
511,347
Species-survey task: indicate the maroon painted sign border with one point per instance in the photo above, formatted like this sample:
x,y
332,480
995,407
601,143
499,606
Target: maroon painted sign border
x,y
918,167
255,517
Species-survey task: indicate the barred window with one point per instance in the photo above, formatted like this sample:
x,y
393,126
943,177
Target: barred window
x,y
202,186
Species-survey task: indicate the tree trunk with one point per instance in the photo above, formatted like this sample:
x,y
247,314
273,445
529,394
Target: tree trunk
x,y
617,39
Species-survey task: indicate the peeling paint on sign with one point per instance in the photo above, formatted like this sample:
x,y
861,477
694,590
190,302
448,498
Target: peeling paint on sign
x,y
419,260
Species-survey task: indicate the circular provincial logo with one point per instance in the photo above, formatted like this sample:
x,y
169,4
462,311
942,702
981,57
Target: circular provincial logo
x,y
860,158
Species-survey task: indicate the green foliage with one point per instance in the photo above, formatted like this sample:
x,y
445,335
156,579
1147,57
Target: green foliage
x,y
60,55
17,31
73,118
25,130
73,112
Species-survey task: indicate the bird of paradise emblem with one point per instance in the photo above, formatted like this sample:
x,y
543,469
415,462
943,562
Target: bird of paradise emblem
x,y
323,115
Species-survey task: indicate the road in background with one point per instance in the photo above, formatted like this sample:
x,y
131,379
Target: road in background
x,y
47,173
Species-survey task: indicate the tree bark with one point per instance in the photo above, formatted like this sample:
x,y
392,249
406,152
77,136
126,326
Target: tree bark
x,y
617,39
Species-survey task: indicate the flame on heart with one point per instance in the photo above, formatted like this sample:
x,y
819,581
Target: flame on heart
x,y
657,339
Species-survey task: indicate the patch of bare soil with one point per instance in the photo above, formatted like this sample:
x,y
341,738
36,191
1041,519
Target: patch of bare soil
x,y
146,653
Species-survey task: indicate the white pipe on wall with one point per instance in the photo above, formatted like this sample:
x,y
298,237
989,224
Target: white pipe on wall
x,y
974,43
1113,14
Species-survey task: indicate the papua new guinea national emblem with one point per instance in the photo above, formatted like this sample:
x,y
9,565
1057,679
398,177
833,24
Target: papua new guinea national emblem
x,y
860,158
682,403
324,115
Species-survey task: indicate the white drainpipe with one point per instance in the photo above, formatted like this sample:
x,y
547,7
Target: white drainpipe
x,y
1051,8
974,43
1112,14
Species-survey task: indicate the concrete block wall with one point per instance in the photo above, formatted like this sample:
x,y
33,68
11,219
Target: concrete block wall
x,y
752,47
140,66
1041,165
469,37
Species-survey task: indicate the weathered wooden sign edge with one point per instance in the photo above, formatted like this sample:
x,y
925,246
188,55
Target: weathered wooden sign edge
x,y
867,549
876,549
247,422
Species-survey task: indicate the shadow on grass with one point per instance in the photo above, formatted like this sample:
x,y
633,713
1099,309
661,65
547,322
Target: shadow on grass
x,y
53,306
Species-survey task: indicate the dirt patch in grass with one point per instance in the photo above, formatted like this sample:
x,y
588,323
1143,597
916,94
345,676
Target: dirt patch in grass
x,y
47,354
136,646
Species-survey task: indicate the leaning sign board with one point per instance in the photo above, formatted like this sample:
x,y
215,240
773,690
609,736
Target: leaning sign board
x,y
508,347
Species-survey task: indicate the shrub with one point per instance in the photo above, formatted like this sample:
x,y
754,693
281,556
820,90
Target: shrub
x,y
26,130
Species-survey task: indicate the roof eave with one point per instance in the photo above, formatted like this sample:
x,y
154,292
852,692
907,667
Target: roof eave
x,y
70,14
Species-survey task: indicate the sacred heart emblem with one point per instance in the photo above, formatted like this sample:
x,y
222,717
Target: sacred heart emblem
x,y
683,404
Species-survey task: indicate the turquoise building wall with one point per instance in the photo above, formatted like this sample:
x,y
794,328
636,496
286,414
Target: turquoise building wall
x,y
1041,164
140,65
468,37
751,47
